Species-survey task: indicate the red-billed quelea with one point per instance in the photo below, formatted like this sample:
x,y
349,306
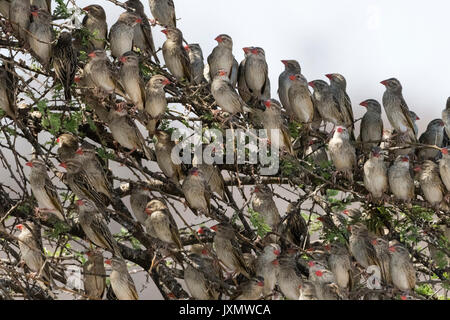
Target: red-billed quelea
x,y
163,151
402,270
264,204
103,74
94,275
397,110
155,101
31,251
375,174
338,86
43,189
316,152
307,291
360,246
342,152
122,33
433,190
41,35
325,102
291,68
212,176
382,251
267,266
434,135
251,290
371,125
400,181
228,250
121,281
446,117
340,264
277,131
321,277
19,15
143,37
164,12
294,228
125,131
197,65
256,74
8,90
225,95
222,58
4,8
138,202
444,168
95,22
131,80
161,223
414,118
197,192
243,89
289,279
300,103
175,56
95,228
65,62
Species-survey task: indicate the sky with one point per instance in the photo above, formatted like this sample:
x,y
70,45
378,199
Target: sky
x,y
366,41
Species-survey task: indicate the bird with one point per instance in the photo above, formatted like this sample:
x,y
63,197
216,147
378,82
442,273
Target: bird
x,y
397,110
155,101
225,95
32,253
255,74
375,174
197,65
288,278
371,132
431,185
103,74
360,246
291,68
160,221
94,168
446,117
163,152
316,152
228,249
243,89
164,12
212,174
65,62
301,106
321,278
382,252
121,281
197,276
19,16
267,266
196,192
143,37
325,102
338,86
434,135
42,4
44,190
8,90
41,35
130,79
125,132
95,23
277,131
68,146
4,8
294,228
400,181
175,56
138,201
222,58
94,226
307,291
82,184
94,275
121,34
401,268
414,118
444,168
340,264
250,290
264,204
342,152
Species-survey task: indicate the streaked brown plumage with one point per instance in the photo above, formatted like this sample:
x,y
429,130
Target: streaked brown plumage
x,y
163,151
289,279
121,281
402,270
131,80
382,251
197,192
338,86
68,145
65,62
264,204
155,101
175,57
222,58
294,228
340,264
197,65
41,35
325,102
95,23
8,90
444,168
250,290
300,102
19,15
291,68
213,177
164,12
434,135
94,276
122,32
360,246
138,201
431,184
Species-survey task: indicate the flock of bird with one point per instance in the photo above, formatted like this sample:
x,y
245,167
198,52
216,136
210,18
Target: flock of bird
x,y
238,90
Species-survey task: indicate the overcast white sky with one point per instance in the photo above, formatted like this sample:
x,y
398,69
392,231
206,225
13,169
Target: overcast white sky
x,y
367,41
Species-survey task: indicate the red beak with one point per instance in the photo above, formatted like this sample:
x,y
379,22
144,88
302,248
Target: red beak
x,y
292,77
186,48
218,39
392,249
108,261
246,49
267,103
122,59
261,284
80,202
276,252
311,84
30,164
284,62
79,151
34,13
329,76
63,164
165,31
166,82
214,228
364,104
384,82
92,55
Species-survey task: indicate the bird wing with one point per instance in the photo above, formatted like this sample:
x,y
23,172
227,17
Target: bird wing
x,y
104,235
405,110
186,64
132,287
52,194
172,6
147,31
